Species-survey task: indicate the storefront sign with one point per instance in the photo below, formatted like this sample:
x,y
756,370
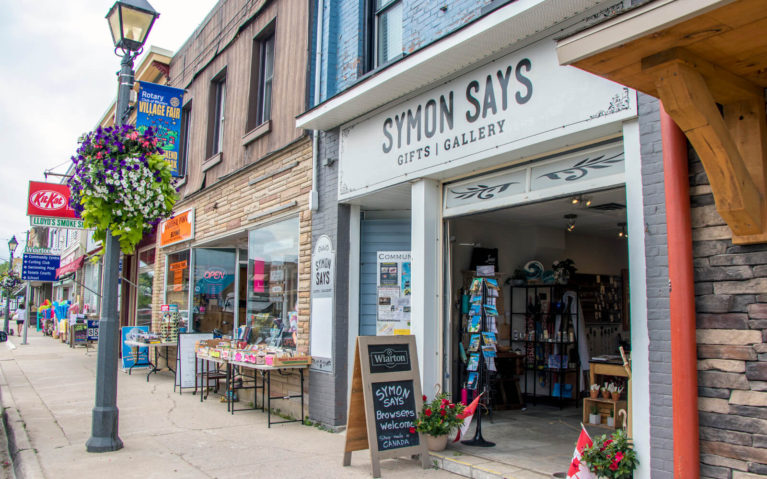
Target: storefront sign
x,y
177,229
393,300
517,101
384,403
159,107
80,333
51,222
49,200
39,267
323,287
37,250
592,169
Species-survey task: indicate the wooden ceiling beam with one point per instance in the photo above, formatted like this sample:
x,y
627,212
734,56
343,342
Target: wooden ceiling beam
x,y
690,90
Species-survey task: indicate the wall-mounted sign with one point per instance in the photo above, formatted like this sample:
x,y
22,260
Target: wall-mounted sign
x,y
323,287
595,168
177,269
49,200
393,300
486,115
178,228
39,267
159,107
50,222
385,401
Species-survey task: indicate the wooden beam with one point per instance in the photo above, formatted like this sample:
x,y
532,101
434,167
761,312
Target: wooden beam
x,y
724,86
687,97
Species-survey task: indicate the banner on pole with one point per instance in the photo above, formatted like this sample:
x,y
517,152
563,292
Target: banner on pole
x,y
159,107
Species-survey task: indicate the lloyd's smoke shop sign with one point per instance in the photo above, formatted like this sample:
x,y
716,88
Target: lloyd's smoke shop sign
x,y
323,287
159,107
511,103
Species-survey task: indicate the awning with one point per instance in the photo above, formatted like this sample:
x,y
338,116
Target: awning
x,y
705,60
20,290
70,267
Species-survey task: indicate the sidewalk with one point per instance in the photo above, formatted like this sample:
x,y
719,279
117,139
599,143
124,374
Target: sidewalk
x,y
47,392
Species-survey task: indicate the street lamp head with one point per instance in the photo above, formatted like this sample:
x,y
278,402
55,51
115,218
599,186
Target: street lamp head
x,y
12,244
130,22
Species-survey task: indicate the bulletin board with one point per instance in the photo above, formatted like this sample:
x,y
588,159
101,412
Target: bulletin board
x,y
393,287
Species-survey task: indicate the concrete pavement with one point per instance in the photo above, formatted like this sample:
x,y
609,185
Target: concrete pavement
x,y
47,393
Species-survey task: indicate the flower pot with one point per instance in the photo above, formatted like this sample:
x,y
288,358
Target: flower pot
x,y
595,419
436,443
611,421
616,396
606,394
594,394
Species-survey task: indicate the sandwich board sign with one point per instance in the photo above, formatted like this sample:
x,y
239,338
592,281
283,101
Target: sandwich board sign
x,y
385,400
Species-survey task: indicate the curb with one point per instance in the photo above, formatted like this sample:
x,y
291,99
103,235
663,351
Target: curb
x,y
24,458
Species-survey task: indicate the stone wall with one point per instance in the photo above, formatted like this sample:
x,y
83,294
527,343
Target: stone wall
x,y
224,209
731,306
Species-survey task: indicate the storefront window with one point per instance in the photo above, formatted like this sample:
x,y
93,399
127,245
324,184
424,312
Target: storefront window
x,y
213,300
144,290
177,282
92,288
272,307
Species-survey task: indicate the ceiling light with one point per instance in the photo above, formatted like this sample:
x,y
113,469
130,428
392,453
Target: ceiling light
x,y
622,233
575,200
570,221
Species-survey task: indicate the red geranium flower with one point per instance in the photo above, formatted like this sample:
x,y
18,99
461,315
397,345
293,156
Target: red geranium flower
x,y
614,466
618,456
452,406
427,412
424,397
442,412
412,430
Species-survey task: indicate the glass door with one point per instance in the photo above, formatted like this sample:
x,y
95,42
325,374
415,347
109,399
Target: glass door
x,y
213,301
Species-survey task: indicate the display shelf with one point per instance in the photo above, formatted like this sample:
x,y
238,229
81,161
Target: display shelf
x,y
604,407
543,308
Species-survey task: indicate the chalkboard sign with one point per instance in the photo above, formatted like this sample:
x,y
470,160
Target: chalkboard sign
x,y
389,358
80,333
385,400
395,413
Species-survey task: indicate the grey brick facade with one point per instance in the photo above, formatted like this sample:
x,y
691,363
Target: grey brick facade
x,y
661,431
328,390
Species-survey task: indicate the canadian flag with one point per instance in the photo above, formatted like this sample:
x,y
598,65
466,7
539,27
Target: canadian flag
x,y
467,416
578,469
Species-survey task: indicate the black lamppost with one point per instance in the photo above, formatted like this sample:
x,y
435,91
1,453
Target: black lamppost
x,y
129,22
12,244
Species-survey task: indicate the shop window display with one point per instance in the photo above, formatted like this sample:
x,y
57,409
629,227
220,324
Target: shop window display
x,y
91,290
213,299
144,290
272,290
177,282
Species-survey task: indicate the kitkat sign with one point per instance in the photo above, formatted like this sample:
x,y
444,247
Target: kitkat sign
x,y
50,200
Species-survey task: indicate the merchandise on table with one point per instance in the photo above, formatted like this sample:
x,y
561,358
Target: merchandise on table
x,y
240,351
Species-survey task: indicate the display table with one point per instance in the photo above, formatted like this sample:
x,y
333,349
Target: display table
x,y
262,370
137,344
609,368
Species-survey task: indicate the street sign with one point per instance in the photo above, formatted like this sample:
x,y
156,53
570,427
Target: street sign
x,y
53,222
39,267
38,250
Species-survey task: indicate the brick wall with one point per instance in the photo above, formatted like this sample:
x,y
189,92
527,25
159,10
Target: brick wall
x,y
731,306
225,207
329,388
661,431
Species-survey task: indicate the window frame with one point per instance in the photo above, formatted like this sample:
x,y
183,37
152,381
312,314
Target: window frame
x,y
185,144
217,114
255,116
264,108
373,16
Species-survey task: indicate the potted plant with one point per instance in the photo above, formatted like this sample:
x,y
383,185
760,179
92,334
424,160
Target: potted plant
x,y
519,277
612,458
611,419
615,391
437,419
605,392
594,391
594,417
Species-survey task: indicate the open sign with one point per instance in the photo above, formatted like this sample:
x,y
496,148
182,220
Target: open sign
x,y
214,275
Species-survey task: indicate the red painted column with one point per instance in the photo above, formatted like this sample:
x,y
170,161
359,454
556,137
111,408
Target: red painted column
x,y
684,370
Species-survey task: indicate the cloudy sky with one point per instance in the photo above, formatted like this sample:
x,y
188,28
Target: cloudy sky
x,y
57,68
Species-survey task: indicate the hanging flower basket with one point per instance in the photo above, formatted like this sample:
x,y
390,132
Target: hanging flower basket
x,y
121,183
9,281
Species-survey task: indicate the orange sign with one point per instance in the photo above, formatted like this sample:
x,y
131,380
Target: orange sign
x,y
178,228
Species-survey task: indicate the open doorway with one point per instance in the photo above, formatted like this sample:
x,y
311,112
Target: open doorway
x,y
562,271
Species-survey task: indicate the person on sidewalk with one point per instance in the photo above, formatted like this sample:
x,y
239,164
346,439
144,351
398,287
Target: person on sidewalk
x,y
20,316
